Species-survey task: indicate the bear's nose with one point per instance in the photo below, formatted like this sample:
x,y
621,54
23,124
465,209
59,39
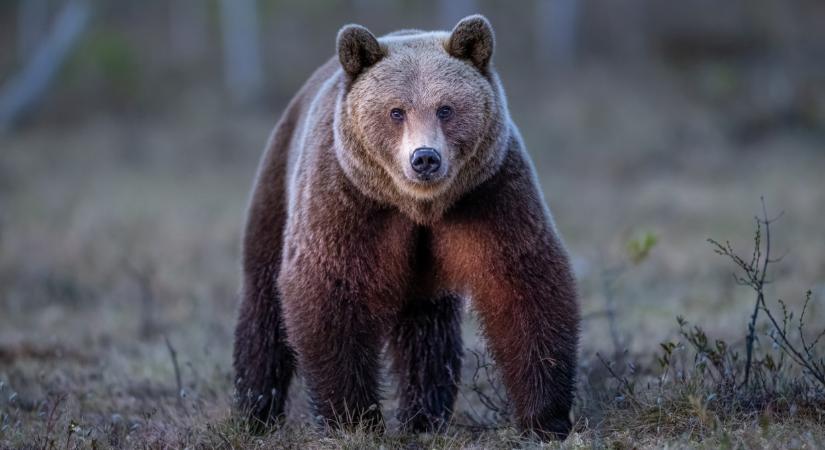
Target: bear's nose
x,y
425,160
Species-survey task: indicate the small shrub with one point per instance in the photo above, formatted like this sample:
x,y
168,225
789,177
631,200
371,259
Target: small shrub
x,y
701,384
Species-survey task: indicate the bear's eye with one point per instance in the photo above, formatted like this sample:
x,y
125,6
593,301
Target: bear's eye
x,y
397,114
444,112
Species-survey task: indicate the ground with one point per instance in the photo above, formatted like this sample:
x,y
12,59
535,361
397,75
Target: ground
x,y
119,270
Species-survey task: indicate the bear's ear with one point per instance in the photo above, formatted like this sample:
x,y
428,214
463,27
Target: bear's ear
x,y
472,39
357,49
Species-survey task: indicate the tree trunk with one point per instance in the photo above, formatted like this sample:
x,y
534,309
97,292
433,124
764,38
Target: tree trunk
x,y
24,90
241,50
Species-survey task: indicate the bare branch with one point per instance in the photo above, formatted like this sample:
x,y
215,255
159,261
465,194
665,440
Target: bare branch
x,y
178,381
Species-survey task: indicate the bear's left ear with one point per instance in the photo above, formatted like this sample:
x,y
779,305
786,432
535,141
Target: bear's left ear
x,y
357,49
472,39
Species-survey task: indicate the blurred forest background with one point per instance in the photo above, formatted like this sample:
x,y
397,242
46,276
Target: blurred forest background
x,y
130,133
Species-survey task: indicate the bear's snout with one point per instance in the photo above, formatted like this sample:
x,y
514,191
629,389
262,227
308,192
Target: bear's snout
x,y
425,161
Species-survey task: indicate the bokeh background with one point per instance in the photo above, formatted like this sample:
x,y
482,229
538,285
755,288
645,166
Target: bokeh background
x,y
131,132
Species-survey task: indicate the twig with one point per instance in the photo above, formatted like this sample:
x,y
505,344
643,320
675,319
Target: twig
x,y
756,277
623,381
174,355
50,421
608,278
793,352
498,404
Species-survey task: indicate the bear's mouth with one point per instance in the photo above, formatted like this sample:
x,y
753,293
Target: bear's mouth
x,y
425,187
427,180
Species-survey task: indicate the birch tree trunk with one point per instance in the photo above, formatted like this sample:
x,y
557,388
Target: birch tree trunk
x,y
24,90
241,50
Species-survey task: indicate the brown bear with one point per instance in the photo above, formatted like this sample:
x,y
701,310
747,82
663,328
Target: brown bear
x,y
394,186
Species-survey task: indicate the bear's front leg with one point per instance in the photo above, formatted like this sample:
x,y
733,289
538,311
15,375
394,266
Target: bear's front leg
x,y
499,245
341,284
526,303
338,344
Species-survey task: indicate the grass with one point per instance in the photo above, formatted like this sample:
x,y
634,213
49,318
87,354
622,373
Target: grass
x,y
119,249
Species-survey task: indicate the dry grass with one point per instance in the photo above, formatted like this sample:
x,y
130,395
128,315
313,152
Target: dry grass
x,y
118,235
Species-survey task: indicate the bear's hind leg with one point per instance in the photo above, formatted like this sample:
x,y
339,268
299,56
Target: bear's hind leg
x,y
264,363
426,350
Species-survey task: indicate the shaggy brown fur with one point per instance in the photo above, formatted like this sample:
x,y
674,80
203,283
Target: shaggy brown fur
x,y
426,349
346,247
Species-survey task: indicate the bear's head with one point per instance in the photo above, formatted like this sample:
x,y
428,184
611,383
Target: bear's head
x,y
421,118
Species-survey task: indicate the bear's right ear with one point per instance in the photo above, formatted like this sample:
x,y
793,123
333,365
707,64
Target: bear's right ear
x,y
357,49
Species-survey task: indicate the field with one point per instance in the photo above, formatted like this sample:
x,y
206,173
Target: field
x,y
119,272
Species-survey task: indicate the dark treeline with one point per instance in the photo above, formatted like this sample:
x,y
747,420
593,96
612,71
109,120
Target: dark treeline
x,y
138,56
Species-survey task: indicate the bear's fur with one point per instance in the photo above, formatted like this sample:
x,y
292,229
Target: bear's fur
x,y
347,248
